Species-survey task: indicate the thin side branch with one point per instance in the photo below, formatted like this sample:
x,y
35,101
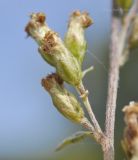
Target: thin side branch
x,y
84,95
98,137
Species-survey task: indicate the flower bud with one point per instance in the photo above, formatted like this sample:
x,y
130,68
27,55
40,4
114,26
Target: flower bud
x,y
53,50
133,41
124,4
75,38
64,101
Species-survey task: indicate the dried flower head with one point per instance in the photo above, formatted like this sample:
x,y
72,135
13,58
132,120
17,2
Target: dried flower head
x,y
82,18
51,81
53,50
36,27
63,100
49,42
75,38
130,141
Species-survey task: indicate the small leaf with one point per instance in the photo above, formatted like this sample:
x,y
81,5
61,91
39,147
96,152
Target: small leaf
x,y
77,137
87,71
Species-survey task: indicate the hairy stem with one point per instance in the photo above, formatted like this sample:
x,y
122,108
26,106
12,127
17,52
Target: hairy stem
x,y
118,40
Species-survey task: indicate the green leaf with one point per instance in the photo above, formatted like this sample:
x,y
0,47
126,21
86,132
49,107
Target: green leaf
x,y
75,138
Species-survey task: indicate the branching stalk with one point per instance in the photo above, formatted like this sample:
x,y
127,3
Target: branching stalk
x,y
99,137
67,64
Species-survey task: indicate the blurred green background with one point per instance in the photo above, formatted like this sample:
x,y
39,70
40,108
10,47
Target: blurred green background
x,y
30,127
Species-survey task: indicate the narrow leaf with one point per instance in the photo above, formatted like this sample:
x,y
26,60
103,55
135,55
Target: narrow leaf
x,y
76,137
87,71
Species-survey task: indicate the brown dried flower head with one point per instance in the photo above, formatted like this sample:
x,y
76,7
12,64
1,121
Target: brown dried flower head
x,y
130,141
49,42
83,18
75,36
52,80
53,49
37,19
63,100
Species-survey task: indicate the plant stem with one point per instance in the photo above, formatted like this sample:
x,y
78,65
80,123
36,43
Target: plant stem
x,y
118,40
84,95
